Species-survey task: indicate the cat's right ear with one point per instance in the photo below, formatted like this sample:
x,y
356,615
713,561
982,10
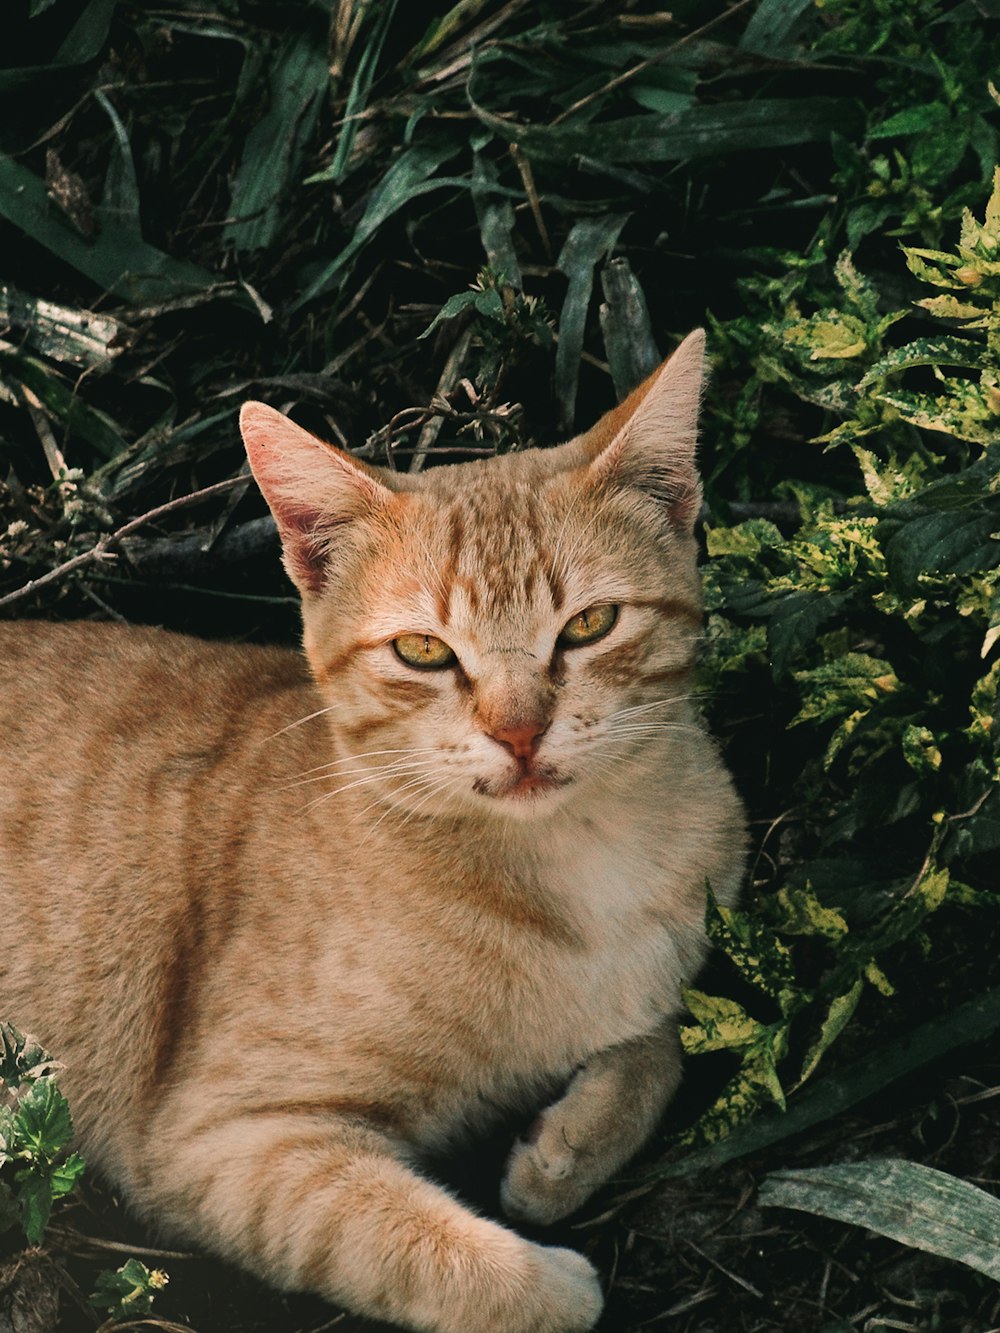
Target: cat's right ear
x,y
311,487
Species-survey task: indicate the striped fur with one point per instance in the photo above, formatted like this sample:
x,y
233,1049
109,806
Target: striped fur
x,y
293,922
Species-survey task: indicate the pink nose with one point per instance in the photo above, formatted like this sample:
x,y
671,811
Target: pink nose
x,y
521,740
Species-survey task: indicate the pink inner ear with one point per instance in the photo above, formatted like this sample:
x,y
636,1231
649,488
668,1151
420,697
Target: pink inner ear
x,y
307,574
311,487
648,441
305,546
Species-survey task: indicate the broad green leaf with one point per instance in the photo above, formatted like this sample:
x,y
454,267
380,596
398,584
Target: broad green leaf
x,y
839,1013
454,305
275,148
722,1024
945,350
736,1105
804,914
954,541
912,120
951,307
65,1176
933,266
983,706
920,749
963,411
932,888
830,1095
747,539
794,620
42,1122
758,954
34,1194
887,481
836,689
878,979
829,335
911,1203
129,1291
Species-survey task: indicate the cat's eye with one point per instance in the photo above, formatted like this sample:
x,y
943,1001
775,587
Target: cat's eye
x,y
589,626
425,651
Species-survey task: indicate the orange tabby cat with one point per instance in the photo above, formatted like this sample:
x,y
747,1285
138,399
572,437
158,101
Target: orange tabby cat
x,y
291,927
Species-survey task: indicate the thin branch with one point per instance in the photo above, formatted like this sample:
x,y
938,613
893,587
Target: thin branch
x,y
103,547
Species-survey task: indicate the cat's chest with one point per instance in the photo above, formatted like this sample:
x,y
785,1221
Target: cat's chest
x,y
572,957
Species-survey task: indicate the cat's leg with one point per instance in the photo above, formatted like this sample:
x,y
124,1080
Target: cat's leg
x,y
607,1113
329,1205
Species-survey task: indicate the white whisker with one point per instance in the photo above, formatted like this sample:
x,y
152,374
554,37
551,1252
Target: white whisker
x,y
302,720
358,782
656,703
375,770
370,754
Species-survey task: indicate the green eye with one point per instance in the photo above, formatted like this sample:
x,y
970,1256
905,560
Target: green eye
x,y
423,651
589,625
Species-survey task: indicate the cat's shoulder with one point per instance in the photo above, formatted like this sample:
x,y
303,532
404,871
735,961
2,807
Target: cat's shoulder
x,y
96,649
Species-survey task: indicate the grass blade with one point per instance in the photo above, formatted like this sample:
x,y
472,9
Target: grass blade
x,y
82,43
589,240
496,221
361,85
410,175
911,1203
77,338
76,416
703,131
116,262
627,328
771,24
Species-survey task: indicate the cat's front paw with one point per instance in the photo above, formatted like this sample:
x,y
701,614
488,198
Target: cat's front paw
x,y
546,1178
573,1293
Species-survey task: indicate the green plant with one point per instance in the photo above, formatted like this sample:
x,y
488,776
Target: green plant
x,y
129,1291
35,1128
876,621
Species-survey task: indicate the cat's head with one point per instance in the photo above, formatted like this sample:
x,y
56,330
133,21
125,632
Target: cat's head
x,y
493,637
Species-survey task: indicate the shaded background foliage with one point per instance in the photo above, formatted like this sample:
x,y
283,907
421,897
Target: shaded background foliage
x,y
430,233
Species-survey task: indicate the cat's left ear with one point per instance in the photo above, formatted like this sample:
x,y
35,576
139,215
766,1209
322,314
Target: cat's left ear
x,y
649,440
312,489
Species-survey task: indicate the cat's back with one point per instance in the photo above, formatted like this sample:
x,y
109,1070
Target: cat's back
x,y
94,672
103,726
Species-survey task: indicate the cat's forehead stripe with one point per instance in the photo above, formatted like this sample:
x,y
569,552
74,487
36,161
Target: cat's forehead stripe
x,y
497,554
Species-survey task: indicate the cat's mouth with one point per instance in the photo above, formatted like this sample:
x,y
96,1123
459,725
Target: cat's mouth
x,y
524,786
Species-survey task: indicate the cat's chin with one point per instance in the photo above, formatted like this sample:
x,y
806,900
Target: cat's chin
x,y
525,797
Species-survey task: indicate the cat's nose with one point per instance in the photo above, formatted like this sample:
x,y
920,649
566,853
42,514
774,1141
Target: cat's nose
x,y
522,739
